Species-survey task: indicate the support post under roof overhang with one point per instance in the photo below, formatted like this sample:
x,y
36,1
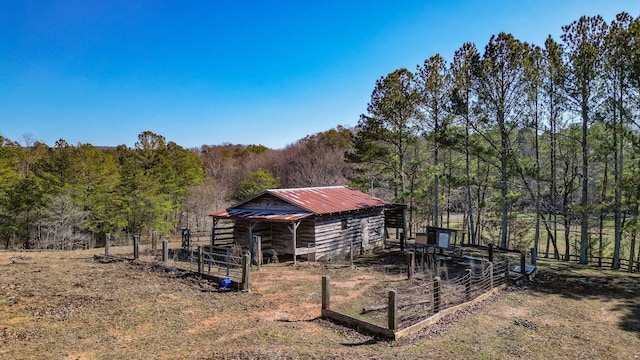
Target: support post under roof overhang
x,y
294,230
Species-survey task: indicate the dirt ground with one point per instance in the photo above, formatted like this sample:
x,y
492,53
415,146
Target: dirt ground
x,y
65,305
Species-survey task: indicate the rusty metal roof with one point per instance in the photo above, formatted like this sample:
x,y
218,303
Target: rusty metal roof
x,y
311,201
329,199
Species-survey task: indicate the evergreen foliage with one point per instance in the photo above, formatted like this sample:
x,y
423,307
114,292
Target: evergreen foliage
x,y
529,143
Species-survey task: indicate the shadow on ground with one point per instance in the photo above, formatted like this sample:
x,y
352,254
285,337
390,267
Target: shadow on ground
x,y
579,282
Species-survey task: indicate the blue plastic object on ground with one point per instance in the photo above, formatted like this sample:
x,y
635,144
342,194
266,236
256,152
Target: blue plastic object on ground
x,y
226,283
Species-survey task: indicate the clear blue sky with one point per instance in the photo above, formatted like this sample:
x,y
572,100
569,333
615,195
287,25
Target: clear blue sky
x,y
233,71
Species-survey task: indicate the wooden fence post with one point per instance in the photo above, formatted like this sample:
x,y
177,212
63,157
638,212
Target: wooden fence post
x,y
490,247
154,241
136,246
165,250
506,270
411,261
246,268
534,256
200,259
436,294
523,263
392,310
107,244
228,261
467,285
491,274
326,292
259,251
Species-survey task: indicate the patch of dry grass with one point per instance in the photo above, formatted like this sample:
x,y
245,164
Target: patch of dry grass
x,y
64,305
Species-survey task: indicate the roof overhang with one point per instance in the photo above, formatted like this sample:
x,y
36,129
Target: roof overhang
x,y
260,214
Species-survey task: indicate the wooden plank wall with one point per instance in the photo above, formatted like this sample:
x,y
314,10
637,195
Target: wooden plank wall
x,y
334,234
330,235
223,232
276,235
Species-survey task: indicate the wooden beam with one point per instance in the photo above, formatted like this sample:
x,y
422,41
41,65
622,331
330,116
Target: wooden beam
x,y
294,229
250,226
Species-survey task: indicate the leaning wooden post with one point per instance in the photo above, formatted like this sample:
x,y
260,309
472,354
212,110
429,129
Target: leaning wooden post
x,y
107,244
467,285
411,261
436,295
392,310
136,246
490,247
246,268
200,259
523,263
165,250
326,292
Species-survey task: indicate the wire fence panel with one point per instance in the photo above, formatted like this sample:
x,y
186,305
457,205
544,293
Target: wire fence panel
x,y
405,303
417,303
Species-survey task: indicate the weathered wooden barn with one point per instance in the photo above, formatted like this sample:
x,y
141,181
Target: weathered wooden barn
x,y
317,223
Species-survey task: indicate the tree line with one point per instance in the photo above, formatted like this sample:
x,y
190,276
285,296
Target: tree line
x,y
532,144
67,196
520,137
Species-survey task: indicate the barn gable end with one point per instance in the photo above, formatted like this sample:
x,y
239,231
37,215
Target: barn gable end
x,y
269,202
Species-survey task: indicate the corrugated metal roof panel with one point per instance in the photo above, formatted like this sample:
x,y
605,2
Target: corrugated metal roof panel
x,y
260,214
315,200
327,200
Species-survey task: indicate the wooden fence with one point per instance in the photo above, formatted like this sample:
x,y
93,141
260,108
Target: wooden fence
x,y
605,262
215,264
440,296
211,260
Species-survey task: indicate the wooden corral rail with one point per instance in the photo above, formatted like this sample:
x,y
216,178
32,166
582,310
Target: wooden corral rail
x,y
596,261
606,262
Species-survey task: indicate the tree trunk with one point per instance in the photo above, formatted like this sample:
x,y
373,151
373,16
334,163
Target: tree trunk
x,y
436,210
602,209
618,143
584,202
634,235
472,230
504,185
537,199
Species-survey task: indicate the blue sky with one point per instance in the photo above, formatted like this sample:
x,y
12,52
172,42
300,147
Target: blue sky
x,y
233,71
